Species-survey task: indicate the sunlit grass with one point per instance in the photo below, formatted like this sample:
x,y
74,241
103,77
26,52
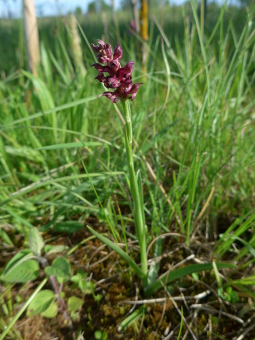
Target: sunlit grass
x,y
193,124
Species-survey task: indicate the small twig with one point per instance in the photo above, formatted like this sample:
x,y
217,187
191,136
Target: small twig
x,y
178,310
163,300
102,260
211,310
163,236
136,298
94,254
242,336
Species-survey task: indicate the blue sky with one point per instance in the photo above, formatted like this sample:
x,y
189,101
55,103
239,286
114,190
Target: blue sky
x,y
50,7
47,7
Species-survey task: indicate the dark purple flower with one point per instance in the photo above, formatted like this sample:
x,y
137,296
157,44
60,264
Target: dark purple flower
x,y
118,78
132,27
114,65
104,51
101,68
100,77
117,53
113,96
133,90
126,70
111,82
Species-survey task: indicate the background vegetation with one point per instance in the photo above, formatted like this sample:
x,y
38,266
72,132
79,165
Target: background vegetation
x,y
193,122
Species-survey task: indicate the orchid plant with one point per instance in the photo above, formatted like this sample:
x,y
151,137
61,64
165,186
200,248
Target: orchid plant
x,y
113,76
120,79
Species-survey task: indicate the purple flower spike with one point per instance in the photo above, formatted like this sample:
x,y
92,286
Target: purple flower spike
x,y
119,78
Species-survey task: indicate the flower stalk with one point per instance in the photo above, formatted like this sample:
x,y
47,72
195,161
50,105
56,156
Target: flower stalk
x,y
136,192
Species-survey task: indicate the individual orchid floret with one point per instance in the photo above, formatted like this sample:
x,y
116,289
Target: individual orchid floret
x,y
104,51
127,70
118,78
117,53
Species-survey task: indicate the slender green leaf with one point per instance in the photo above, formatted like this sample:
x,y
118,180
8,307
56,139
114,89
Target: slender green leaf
x,y
119,251
68,227
179,273
56,109
70,145
131,318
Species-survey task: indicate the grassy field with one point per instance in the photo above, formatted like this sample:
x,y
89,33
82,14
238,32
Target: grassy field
x,y
63,167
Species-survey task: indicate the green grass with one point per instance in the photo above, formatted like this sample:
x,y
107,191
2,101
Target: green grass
x,y
193,121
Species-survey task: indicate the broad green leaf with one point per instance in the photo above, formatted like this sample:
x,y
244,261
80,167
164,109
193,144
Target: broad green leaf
x,y
36,243
51,312
98,335
80,280
68,227
22,272
119,251
21,268
41,302
60,268
101,335
21,256
74,303
179,273
55,249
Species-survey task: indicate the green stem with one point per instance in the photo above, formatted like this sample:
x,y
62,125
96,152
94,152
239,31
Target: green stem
x,y
138,204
